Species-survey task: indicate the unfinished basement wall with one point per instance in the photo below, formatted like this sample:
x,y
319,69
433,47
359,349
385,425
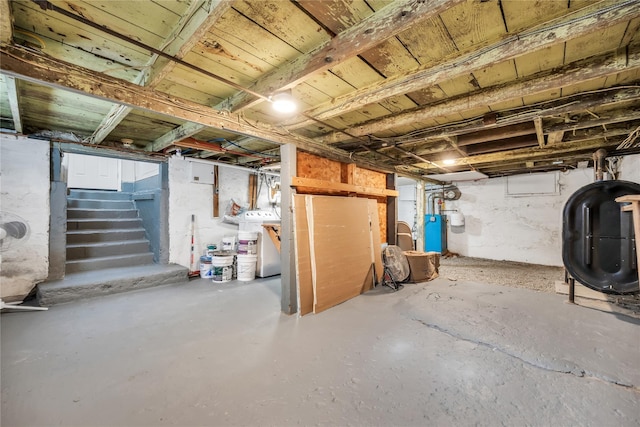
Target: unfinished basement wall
x,y
630,168
24,199
187,198
520,228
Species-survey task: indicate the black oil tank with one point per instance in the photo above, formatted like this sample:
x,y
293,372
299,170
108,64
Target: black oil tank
x,y
598,244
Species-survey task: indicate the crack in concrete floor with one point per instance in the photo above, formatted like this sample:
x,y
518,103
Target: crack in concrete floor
x,y
577,371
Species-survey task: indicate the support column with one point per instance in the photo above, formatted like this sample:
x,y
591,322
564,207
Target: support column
x,y
289,299
57,217
163,210
392,210
420,212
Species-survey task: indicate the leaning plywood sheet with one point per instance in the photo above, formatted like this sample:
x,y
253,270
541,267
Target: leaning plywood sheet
x,y
376,248
340,243
303,261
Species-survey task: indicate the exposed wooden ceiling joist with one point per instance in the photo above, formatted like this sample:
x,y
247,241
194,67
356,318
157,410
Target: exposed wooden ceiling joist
x,y
371,31
6,24
593,68
486,73
535,153
510,48
25,64
197,20
571,105
378,27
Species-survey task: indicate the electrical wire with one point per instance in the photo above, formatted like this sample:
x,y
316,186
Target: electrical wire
x,y
43,45
629,140
266,156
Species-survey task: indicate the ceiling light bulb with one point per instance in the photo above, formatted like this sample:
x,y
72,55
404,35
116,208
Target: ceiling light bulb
x,y
449,161
283,102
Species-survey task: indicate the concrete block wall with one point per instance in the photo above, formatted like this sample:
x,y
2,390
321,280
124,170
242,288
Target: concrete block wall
x,y
187,198
24,191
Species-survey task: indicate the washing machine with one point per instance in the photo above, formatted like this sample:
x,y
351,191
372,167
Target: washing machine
x,y
268,255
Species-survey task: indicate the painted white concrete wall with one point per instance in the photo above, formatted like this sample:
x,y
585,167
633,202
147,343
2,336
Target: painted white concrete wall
x,y
135,171
127,171
525,229
187,198
630,168
24,191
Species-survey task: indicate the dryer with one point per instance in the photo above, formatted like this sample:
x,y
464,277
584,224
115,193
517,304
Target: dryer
x,y
268,256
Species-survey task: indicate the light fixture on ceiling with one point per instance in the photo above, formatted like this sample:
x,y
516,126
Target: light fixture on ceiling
x,y
283,102
449,162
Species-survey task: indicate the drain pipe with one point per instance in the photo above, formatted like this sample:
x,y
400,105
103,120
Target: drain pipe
x,y
598,163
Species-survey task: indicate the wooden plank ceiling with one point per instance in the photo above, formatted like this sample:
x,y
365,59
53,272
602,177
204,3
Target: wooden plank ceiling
x,y
411,86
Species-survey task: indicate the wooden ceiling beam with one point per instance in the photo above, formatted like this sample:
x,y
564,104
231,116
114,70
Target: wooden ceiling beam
x,y
503,145
611,118
509,48
33,66
581,71
519,129
6,23
539,132
609,132
531,154
188,32
555,137
194,23
370,32
387,22
554,108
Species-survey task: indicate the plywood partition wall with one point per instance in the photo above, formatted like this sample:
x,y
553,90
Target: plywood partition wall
x,y
338,239
338,249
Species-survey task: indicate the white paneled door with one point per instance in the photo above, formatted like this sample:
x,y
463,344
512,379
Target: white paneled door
x,y
92,172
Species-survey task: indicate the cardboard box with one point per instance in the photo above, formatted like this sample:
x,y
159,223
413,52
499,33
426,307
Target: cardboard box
x,y
423,265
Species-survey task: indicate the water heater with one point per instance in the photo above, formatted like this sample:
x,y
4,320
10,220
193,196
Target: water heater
x,y
435,233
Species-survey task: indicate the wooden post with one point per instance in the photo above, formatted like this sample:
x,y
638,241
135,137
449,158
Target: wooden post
x,y
253,191
420,212
392,210
634,207
216,193
289,298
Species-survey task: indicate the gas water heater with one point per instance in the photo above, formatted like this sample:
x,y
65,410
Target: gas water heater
x,y
435,233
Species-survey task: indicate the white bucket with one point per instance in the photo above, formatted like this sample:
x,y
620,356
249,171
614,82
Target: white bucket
x,y
247,242
228,243
246,267
222,268
205,267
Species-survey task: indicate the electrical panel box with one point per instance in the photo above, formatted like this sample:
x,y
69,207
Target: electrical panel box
x,y
435,233
201,173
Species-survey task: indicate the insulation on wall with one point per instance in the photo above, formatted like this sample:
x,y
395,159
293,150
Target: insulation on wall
x,y
338,249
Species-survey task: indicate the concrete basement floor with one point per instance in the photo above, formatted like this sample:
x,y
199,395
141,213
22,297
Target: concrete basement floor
x,y
438,353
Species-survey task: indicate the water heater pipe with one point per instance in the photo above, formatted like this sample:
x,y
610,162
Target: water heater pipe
x,y
598,163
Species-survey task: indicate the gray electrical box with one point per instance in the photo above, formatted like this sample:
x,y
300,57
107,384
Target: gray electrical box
x,y
201,173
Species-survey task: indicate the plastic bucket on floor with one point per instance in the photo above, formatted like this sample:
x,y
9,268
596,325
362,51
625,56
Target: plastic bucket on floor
x,y
205,267
228,243
247,242
246,267
221,268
